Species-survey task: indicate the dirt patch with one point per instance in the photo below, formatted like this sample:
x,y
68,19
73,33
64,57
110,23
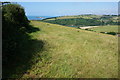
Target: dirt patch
x,y
87,27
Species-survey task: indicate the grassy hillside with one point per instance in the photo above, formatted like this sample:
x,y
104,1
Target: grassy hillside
x,y
112,17
76,16
111,28
72,53
84,20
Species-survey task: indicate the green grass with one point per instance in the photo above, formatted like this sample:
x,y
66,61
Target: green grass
x,y
76,16
73,53
111,28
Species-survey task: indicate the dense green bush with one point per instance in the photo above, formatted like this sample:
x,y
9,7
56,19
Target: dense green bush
x,y
112,33
18,47
15,25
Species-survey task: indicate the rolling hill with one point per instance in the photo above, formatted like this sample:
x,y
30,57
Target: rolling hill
x,y
70,53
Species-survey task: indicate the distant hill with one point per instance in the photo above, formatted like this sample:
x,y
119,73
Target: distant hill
x,y
84,20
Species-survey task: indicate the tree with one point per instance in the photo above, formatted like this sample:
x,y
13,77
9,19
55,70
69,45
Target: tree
x,y
15,25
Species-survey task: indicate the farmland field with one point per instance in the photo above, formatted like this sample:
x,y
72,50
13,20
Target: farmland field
x,y
110,28
72,53
83,20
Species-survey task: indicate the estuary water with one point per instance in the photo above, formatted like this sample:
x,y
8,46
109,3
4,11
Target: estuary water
x,y
38,17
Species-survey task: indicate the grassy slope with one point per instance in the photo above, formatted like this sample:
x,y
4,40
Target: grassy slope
x,y
114,18
111,28
70,52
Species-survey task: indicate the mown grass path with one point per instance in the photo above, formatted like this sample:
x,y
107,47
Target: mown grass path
x,y
73,53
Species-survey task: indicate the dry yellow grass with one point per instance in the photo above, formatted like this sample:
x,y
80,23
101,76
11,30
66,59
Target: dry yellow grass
x,y
73,53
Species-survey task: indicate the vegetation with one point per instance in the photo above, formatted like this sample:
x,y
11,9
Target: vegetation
x,y
15,37
38,49
110,29
71,53
84,20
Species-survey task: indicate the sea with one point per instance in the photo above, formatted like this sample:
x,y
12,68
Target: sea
x,y
38,17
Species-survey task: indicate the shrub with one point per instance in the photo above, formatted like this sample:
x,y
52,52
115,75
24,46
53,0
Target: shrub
x,y
112,33
15,24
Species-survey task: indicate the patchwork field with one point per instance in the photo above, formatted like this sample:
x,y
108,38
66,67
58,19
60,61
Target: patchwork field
x,y
71,53
83,20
